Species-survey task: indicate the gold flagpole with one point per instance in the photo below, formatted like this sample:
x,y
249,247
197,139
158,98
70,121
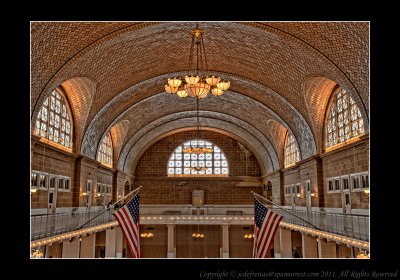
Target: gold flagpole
x,y
257,196
109,207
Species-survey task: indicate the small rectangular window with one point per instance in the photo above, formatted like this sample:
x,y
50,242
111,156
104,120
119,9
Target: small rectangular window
x,y
66,184
98,188
308,186
345,183
42,181
356,182
330,185
34,178
60,183
89,186
364,181
337,185
52,184
298,189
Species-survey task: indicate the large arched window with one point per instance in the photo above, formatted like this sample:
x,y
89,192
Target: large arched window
x,y
292,153
214,164
53,121
344,120
105,152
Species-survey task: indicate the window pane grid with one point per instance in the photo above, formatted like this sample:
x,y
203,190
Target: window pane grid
x,y
52,123
292,153
344,120
215,162
104,154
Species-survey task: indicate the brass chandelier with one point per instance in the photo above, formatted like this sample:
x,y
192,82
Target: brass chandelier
x,y
197,83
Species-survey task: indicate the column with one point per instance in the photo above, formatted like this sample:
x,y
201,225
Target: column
x,y
277,245
225,241
326,249
345,251
71,248
285,242
119,238
110,243
171,237
309,245
53,251
88,245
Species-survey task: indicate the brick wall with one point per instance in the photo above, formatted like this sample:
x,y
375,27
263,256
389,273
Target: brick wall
x,y
350,159
151,173
156,246
188,247
240,247
53,161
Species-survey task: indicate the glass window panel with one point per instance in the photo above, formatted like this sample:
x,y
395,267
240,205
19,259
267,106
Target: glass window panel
x,y
105,153
344,120
292,154
189,161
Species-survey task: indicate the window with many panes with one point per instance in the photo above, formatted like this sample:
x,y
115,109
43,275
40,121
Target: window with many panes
x,y
292,153
185,164
105,153
53,121
344,119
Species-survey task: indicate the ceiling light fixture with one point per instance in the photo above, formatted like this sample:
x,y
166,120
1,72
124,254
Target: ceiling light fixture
x,y
197,83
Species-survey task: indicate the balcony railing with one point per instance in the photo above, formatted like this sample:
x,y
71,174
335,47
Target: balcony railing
x,y
350,225
46,225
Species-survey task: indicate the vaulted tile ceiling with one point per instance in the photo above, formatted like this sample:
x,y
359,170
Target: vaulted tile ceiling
x,y
281,77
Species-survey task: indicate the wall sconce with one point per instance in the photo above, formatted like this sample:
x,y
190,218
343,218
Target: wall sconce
x,y
366,191
146,234
314,195
33,189
119,196
84,194
298,195
248,236
197,235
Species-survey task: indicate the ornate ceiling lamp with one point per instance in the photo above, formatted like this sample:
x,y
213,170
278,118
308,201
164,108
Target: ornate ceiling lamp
x,y
196,83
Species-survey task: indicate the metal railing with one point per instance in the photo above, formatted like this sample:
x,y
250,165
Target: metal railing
x,y
45,225
350,225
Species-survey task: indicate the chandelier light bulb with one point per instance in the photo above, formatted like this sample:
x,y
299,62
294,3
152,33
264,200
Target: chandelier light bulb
x,y
170,90
224,85
174,82
191,80
181,92
213,80
216,91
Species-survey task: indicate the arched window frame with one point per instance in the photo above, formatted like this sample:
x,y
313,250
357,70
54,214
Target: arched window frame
x,y
216,159
105,156
350,117
292,151
45,136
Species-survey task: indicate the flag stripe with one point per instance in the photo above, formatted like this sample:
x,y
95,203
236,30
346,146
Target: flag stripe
x,y
267,237
266,223
270,223
127,231
273,232
129,227
124,230
128,219
130,224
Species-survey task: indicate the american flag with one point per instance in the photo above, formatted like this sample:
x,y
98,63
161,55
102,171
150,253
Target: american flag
x,y
266,223
128,219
